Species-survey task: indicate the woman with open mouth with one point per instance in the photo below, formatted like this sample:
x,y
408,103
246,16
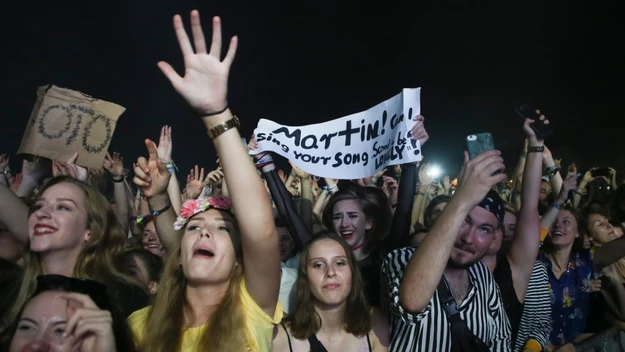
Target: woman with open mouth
x,y
571,270
219,290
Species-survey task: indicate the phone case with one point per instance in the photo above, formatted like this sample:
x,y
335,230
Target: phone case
x,y
479,143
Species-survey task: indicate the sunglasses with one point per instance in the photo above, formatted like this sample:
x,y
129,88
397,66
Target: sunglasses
x,y
95,290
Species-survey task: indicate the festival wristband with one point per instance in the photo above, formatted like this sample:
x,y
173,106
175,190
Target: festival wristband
x,y
171,167
118,180
159,212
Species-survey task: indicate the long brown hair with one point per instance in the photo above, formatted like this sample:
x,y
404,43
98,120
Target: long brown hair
x,y
578,244
101,259
305,321
224,331
373,203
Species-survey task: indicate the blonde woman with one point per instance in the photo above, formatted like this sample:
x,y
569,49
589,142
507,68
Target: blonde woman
x,y
72,231
219,290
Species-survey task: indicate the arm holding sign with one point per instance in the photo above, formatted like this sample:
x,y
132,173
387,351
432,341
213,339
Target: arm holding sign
x,y
402,219
282,198
306,203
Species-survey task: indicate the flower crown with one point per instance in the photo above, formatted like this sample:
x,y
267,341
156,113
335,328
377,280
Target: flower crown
x,y
194,206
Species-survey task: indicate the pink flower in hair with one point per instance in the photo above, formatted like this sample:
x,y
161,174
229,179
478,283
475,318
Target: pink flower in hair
x,y
220,202
188,209
194,206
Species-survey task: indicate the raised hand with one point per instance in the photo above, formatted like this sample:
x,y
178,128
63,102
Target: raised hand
x,y
164,144
205,82
390,187
35,170
15,182
303,175
114,164
4,162
446,183
529,132
194,183
88,326
214,177
588,175
425,179
569,184
151,175
478,176
69,168
418,131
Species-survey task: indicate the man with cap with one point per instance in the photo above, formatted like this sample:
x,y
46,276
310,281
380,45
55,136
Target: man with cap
x,y
440,296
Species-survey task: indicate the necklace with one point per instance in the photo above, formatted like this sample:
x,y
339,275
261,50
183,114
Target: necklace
x,y
332,341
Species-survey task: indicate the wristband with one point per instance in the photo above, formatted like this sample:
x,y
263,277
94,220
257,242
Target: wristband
x,y
535,149
264,160
557,206
118,180
374,181
171,167
159,212
217,112
330,189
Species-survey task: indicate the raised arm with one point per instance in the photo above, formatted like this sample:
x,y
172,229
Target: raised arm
x,y
402,218
152,178
165,147
115,166
428,263
526,241
205,87
300,233
569,184
14,214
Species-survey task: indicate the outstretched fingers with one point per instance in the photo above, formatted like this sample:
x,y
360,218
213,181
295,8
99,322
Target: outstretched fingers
x,y
198,33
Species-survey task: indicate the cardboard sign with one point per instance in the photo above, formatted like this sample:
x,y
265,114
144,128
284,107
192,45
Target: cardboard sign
x,y
350,147
64,121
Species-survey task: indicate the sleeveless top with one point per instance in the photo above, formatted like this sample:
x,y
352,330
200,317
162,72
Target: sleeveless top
x,y
317,346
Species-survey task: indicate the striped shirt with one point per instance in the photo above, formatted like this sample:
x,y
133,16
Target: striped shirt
x,y
536,317
429,330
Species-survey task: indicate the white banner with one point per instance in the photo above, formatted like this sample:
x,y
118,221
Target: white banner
x,y
350,147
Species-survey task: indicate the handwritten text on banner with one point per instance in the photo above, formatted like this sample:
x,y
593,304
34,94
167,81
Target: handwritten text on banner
x,y
350,147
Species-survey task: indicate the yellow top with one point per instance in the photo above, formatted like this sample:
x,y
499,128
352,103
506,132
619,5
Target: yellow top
x,y
259,326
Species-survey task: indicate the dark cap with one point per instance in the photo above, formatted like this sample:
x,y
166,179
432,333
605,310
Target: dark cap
x,y
494,204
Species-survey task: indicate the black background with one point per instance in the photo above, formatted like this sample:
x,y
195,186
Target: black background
x,y
304,62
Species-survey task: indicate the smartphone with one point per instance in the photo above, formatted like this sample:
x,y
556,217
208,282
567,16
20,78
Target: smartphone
x,y
604,171
541,129
479,143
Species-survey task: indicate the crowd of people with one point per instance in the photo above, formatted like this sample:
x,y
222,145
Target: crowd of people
x,y
249,257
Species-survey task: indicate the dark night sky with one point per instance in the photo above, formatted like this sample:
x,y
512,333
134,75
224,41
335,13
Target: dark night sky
x,y
300,63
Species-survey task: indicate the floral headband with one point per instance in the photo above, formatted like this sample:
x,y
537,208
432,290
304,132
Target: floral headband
x,y
194,206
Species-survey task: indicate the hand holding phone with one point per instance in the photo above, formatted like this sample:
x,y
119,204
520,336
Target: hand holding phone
x,y
479,143
541,129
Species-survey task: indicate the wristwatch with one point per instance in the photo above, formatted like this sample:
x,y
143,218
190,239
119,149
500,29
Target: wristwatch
x,y
223,127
